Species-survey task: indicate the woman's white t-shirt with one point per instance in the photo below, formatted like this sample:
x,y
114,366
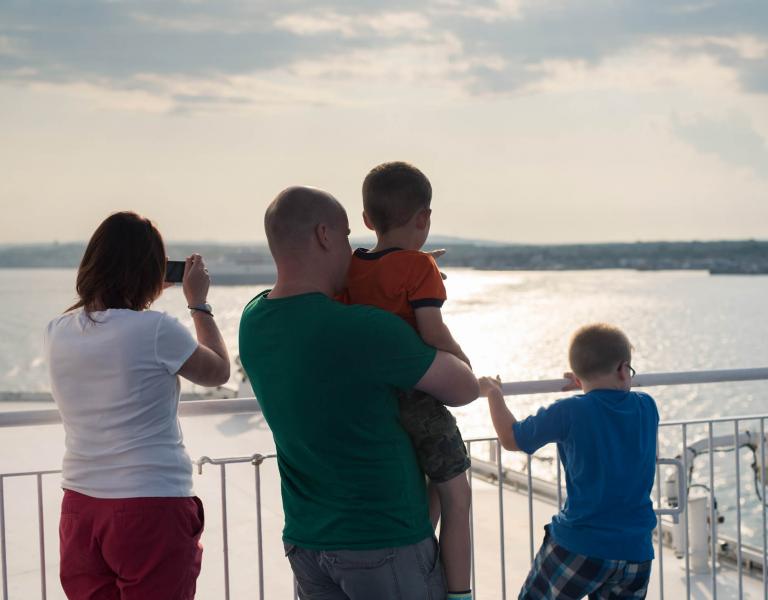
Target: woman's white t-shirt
x,y
115,384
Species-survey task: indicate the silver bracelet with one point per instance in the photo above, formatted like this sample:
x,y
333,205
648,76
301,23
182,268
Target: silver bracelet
x,y
204,308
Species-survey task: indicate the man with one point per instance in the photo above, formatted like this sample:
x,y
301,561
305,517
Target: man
x,y
326,374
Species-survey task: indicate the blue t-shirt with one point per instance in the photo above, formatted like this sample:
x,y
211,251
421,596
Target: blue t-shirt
x,y
606,440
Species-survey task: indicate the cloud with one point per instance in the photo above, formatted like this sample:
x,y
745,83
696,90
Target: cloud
x,y
733,33
354,26
7,47
734,140
503,46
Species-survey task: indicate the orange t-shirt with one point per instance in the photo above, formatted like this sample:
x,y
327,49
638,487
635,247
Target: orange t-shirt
x,y
399,281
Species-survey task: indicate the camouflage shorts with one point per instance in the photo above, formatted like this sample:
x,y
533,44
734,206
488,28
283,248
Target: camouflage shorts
x,y
434,434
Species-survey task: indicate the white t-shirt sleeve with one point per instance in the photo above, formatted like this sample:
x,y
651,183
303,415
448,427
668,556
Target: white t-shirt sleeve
x,y
174,343
47,338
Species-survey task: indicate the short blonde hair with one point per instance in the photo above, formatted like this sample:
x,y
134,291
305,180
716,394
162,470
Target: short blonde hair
x,y
598,349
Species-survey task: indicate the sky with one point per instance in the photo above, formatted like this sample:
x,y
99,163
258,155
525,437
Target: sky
x,y
537,121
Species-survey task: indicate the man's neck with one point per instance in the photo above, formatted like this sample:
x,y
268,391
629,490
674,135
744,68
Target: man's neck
x,y
295,284
397,238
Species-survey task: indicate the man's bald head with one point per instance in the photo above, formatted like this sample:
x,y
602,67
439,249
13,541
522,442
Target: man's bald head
x,y
293,216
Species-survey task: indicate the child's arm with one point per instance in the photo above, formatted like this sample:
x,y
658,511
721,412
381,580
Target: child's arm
x,y
432,329
502,417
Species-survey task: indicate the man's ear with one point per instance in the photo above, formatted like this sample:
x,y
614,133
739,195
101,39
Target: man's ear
x,y
368,222
321,234
422,218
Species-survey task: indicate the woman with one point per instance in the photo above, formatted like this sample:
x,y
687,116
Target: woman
x,y
130,522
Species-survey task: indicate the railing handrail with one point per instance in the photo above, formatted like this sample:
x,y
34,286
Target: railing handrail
x,y
554,386
188,408
195,408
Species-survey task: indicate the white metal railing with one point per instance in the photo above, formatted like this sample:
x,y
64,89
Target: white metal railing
x,y
719,546
723,547
189,408
256,460
546,386
196,408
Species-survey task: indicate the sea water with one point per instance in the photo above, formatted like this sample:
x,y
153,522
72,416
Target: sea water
x,y
515,324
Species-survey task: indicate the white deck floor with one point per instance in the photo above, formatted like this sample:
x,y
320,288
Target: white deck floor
x,y
242,435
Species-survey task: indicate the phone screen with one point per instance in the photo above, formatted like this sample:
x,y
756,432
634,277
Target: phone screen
x,y
174,271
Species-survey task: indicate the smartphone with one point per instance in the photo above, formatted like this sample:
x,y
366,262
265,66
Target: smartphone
x,y
174,271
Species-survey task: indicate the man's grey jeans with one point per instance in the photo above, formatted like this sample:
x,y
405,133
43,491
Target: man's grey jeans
x,y
404,573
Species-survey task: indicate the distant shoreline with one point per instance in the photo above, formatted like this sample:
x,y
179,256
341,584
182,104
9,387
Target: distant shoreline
x,y
232,279
252,264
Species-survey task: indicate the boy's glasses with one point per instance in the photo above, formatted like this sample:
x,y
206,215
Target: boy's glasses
x,y
632,372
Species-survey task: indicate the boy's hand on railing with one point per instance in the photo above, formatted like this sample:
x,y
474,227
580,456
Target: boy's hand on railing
x,y
501,416
490,386
574,383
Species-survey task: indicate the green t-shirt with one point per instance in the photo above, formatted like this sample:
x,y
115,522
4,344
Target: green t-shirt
x,y
325,375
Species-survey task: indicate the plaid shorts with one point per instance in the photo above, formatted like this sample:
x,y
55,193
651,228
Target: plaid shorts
x,y
434,434
558,574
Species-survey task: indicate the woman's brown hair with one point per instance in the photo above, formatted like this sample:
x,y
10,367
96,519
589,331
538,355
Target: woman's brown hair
x,y
123,265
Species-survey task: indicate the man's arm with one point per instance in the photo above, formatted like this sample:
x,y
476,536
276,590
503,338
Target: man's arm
x,y
449,380
502,417
432,329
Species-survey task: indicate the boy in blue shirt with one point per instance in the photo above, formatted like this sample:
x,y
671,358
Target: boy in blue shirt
x,y
599,545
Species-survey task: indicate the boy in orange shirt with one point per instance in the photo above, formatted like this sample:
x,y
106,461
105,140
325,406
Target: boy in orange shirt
x,y
396,276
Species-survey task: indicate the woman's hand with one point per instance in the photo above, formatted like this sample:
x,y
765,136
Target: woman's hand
x,y
209,364
196,280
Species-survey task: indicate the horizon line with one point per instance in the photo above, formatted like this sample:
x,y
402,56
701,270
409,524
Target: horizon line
x,y
440,240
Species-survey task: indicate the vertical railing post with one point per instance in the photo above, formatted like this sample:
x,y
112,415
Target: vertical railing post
x,y
712,513
224,531
660,529
737,455
763,475
685,516
471,522
259,537
41,535
530,509
500,475
3,557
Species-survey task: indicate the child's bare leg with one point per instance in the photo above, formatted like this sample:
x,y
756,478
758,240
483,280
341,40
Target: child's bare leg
x,y
454,531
